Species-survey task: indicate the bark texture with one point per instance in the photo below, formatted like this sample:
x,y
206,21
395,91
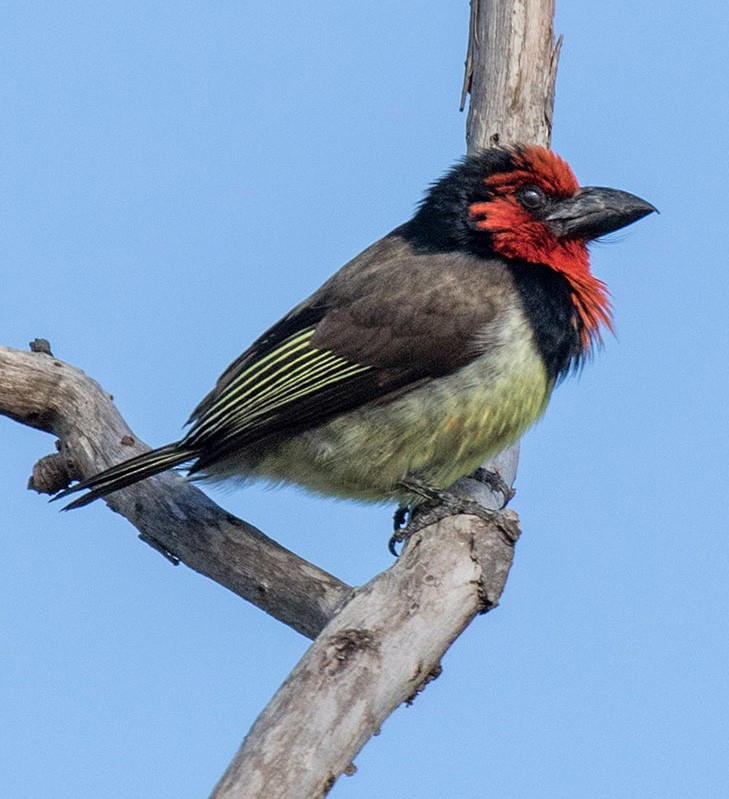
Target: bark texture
x,y
511,67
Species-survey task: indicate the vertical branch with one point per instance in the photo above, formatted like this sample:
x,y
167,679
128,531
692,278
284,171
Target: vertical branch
x,y
513,70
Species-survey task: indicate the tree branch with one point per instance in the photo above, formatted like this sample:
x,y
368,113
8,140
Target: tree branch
x,y
170,513
513,59
388,638
378,651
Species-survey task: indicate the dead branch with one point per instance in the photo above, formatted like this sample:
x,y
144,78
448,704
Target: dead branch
x,y
169,512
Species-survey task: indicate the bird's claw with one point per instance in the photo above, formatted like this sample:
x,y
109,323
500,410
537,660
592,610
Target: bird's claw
x,y
438,505
496,483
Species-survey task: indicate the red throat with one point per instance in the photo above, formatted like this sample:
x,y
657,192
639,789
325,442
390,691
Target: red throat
x,y
515,233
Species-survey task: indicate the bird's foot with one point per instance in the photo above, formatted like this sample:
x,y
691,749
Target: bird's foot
x,y
438,504
496,483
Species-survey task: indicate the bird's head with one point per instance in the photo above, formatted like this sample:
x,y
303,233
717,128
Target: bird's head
x,y
524,203
536,208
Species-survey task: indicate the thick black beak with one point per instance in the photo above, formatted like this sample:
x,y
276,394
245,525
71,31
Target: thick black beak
x,y
595,211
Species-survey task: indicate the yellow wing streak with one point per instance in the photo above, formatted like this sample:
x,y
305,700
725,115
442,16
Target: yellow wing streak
x,y
252,374
326,374
292,371
308,363
248,420
235,403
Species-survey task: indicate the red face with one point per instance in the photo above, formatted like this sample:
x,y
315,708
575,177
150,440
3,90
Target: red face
x,y
515,217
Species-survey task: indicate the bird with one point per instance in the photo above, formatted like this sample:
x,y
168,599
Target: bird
x,y
429,352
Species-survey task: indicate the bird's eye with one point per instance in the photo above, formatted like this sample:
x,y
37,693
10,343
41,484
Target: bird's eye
x,y
531,197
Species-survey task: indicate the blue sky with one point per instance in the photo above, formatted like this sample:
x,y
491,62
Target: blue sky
x,y
174,178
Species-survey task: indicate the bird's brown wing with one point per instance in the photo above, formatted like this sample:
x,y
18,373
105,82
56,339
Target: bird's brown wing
x,y
386,322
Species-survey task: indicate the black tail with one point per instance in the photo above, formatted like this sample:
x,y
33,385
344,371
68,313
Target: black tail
x,y
126,473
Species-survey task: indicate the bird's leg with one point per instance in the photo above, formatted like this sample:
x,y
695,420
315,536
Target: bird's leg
x,y
438,504
429,493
